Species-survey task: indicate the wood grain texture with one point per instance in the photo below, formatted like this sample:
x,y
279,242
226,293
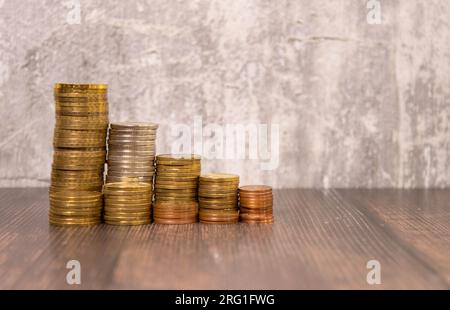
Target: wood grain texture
x,y
321,239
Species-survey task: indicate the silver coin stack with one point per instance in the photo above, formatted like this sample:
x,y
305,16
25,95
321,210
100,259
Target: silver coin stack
x,y
131,152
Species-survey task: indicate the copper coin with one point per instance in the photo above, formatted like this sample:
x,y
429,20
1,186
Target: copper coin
x,y
255,188
191,220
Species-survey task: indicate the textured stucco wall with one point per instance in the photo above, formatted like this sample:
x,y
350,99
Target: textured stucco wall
x,y
359,105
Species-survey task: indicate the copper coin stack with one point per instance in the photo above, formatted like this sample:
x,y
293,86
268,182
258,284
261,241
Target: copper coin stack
x,y
256,204
79,154
131,152
176,184
218,198
128,203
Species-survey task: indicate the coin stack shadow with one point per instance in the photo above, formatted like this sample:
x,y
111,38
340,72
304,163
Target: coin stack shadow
x,y
128,203
176,184
79,154
218,198
256,204
131,152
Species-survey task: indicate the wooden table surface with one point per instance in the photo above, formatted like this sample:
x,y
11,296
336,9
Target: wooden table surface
x,y
321,239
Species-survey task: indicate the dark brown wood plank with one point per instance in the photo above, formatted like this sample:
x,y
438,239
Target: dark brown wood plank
x,y
321,239
418,218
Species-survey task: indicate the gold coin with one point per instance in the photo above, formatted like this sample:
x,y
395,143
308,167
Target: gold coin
x,y
219,177
99,105
70,86
80,186
111,209
81,107
74,182
78,166
83,119
85,143
87,97
125,216
218,188
79,125
73,206
80,153
75,213
76,159
185,205
215,200
176,182
170,170
181,221
256,189
128,222
216,195
73,218
81,194
77,133
181,159
159,199
74,223
174,194
78,174
128,196
126,206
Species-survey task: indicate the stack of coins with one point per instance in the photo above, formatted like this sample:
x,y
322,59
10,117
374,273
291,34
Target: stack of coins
x,y
218,198
75,208
176,185
131,152
256,203
175,212
79,154
128,203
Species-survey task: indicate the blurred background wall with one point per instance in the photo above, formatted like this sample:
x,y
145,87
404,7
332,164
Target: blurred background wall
x,y
359,104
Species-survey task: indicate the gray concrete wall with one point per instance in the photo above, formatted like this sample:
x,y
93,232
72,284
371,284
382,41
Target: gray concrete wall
x,y
358,104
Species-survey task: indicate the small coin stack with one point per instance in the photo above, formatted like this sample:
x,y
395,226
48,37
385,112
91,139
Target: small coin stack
x,y
176,185
218,198
128,203
131,152
256,204
79,154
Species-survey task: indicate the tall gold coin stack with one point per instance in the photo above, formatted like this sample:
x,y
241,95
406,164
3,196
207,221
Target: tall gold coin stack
x,y
79,154
128,203
256,204
131,152
218,198
176,185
